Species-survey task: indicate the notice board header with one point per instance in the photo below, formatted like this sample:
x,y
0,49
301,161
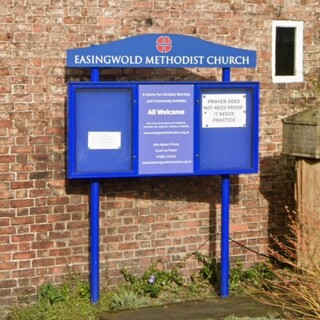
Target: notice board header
x,y
161,51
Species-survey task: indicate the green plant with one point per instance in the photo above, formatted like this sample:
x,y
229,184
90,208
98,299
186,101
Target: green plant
x,y
211,269
126,299
67,302
51,294
154,281
35,311
76,286
239,277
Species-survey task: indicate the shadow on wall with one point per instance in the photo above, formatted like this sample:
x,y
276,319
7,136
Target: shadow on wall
x,y
172,216
277,184
145,74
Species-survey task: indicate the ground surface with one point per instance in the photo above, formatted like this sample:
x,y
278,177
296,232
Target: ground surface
x,y
209,309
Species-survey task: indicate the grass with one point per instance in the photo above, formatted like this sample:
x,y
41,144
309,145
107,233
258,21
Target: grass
x,y
127,299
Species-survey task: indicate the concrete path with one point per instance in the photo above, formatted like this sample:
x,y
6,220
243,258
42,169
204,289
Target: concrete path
x,y
211,309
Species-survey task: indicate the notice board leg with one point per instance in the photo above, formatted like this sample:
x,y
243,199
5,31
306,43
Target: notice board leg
x,y
94,239
95,74
226,74
225,204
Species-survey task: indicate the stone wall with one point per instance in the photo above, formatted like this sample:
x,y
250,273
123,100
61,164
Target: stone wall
x,y
44,220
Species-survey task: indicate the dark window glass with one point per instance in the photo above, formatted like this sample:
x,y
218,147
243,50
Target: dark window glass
x,y
285,57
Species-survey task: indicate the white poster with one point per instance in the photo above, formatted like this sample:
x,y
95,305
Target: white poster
x,y
104,140
224,110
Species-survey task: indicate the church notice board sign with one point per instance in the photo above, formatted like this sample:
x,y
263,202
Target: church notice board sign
x,y
136,129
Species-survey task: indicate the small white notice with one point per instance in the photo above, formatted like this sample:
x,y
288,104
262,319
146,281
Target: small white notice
x,y
224,110
104,140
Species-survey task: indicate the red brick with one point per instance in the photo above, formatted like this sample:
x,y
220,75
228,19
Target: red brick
x,y
7,248
177,233
58,200
5,123
60,252
21,185
105,21
24,255
59,217
7,266
77,259
128,229
8,283
162,243
7,230
39,211
22,220
23,238
191,224
144,253
42,262
41,228
42,245
161,226
7,159
4,239
4,222
128,246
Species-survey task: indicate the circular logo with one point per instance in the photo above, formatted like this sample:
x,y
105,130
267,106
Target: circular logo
x,y
164,44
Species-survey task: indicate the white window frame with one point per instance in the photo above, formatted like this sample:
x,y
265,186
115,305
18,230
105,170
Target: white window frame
x,y
298,67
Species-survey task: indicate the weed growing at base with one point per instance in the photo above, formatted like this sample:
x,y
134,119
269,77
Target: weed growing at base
x,y
154,281
240,278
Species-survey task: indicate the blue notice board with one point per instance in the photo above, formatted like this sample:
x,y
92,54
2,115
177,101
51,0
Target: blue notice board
x,y
133,129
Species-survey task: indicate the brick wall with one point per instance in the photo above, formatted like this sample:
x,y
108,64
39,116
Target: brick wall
x,y
44,217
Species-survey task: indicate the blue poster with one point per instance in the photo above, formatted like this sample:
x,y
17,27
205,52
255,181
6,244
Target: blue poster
x,y
166,129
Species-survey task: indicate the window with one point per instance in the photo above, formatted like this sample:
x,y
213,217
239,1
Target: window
x,y
287,51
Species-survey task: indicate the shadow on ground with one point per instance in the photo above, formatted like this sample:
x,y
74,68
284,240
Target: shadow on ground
x,y
209,309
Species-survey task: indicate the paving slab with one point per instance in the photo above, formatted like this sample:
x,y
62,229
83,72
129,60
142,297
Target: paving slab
x,y
209,309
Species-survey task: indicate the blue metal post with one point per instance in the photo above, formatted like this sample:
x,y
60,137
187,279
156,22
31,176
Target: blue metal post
x,y
225,216
94,228
225,189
